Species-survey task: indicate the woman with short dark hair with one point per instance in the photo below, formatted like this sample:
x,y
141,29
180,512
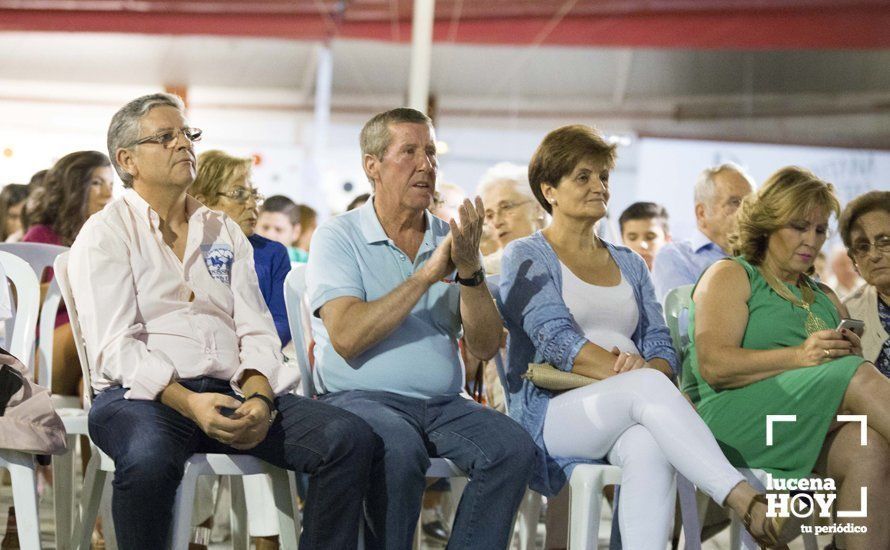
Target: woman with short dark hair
x,y
588,307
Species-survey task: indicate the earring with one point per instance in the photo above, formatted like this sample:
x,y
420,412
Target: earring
x,y
552,201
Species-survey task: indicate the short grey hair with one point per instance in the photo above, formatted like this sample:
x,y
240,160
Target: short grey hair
x,y
505,172
124,128
375,136
705,186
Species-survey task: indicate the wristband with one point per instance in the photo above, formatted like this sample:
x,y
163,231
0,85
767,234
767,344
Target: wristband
x,y
269,403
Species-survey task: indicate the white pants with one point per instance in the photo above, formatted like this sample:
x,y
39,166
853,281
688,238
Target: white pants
x,y
639,421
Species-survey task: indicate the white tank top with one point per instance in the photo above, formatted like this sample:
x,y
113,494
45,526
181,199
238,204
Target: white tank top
x,y
607,315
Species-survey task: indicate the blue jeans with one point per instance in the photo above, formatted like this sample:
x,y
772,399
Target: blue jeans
x,y
150,442
494,451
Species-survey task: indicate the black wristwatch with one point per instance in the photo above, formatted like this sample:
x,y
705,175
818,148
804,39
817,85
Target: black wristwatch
x,y
475,280
273,412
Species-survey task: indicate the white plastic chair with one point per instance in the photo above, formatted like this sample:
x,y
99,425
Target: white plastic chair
x,y
101,465
295,302
41,256
23,466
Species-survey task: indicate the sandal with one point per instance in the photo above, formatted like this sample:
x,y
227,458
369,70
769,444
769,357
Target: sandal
x,y
777,532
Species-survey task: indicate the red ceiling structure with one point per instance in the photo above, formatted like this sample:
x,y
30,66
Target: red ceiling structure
x,y
700,24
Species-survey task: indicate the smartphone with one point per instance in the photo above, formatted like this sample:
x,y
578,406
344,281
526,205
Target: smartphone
x,y
853,325
227,412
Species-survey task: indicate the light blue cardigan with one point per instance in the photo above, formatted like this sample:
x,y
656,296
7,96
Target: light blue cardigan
x,y
543,330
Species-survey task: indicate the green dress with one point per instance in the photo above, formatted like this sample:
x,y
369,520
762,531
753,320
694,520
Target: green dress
x,y
737,416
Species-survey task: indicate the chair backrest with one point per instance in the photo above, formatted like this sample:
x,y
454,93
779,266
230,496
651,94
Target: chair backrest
x,y
294,294
676,303
61,276
41,256
27,290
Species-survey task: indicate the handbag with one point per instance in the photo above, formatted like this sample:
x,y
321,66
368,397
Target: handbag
x,y
548,377
28,422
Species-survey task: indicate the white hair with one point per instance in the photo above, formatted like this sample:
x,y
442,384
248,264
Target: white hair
x,y
705,186
506,173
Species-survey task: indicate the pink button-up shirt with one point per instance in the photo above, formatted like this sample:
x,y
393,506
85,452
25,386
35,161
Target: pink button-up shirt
x,y
142,327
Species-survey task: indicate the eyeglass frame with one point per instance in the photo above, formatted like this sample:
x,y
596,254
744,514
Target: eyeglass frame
x,y
258,197
503,208
881,244
196,135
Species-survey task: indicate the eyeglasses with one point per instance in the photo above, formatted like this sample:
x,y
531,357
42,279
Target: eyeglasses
x,y
168,138
862,249
243,194
503,208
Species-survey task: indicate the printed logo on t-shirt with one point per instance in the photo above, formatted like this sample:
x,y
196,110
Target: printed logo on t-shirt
x,y
219,258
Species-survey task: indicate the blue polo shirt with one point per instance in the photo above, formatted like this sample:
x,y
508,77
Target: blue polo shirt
x,y
352,256
682,263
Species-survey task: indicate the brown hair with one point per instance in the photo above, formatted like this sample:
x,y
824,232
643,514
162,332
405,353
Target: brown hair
x,y
789,193
858,207
12,194
64,203
562,150
215,170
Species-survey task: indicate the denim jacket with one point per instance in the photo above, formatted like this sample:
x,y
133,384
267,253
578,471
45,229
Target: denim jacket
x,y
543,330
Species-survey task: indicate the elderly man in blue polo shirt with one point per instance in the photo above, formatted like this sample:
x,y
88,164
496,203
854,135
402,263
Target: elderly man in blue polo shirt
x,y
395,288
718,194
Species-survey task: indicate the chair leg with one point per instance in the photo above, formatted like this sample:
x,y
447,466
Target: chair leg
x,y
22,470
529,512
63,490
108,531
180,531
93,486
585,497
240,530
284,490
689,513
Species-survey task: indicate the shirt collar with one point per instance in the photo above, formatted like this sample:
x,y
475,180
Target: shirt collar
x,y
373,230
144,210
699,241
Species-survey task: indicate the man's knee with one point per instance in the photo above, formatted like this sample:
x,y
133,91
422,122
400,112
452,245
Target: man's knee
x,y
149,465
352,437
510,447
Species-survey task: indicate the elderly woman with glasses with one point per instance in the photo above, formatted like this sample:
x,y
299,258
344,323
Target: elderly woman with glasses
x,y
224,183
511,211
865,230
765,340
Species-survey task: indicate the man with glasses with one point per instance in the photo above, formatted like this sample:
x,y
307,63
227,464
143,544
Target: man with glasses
x,y
184,352
718,194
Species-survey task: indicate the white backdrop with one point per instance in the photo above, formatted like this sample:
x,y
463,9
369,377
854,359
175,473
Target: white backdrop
x,y
667,170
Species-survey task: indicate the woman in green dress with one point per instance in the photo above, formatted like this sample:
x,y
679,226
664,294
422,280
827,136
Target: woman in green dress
x,y
763,342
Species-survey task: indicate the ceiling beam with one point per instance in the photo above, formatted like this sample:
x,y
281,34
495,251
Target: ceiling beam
x,y
850,26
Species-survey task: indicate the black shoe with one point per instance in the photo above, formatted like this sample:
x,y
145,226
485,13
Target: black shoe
x,y
436,531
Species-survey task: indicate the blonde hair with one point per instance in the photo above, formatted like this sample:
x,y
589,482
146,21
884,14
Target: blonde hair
x,y
216,169
790,193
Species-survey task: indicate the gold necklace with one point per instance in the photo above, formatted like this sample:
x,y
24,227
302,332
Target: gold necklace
x,y
813,323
